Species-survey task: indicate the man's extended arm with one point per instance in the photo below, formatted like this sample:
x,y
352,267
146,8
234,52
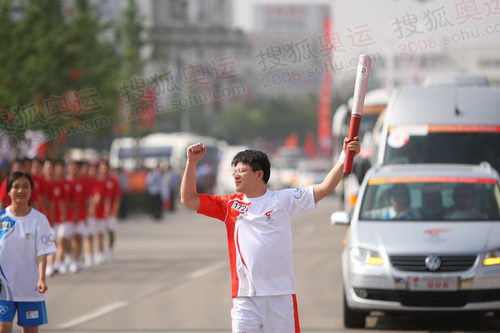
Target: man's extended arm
x,y
335,175
189,193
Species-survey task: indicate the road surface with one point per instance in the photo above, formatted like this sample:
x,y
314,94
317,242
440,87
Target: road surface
x,y
173,276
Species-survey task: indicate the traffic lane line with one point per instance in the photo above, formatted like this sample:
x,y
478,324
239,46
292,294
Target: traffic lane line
x,y
207,270
107,309
94,315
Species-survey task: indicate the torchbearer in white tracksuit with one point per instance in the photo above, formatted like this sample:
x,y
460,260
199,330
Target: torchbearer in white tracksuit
x,y
258,225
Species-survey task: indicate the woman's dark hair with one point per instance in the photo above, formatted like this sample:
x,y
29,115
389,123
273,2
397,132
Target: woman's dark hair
x,y
15,176
256,159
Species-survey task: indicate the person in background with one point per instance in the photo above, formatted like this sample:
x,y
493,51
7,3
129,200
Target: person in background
x,y
17,165
464,208
27,163
63,228
38,199
87,179
104,207
97,215
173,184
400,200
48,175
25,241
154,182
75,196
165,188
114,197
4,169
122,176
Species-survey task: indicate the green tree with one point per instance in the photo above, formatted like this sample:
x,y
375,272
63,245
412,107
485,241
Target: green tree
x,y
94,62
32,39
272,120
48,52
130,38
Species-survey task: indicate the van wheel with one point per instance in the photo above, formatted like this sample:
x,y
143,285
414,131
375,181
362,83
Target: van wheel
x,y
352,318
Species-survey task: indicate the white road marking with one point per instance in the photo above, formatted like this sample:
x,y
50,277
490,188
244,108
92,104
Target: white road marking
x,y
93,315
207,270
118,305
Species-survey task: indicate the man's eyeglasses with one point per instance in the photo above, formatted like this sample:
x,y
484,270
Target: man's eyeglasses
x,y
240,171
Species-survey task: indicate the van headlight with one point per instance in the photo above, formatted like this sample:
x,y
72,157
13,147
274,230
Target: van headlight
x,y
492,258
360,255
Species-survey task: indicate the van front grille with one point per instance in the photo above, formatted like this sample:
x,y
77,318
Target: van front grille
x,y
417,263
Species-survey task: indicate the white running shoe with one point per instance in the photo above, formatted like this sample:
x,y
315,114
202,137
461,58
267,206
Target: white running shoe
x,y
63,269
67,260
56,265
87,261
74,267
99,259
49,271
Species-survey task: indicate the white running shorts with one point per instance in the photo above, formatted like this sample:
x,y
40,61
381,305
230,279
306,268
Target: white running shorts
x,y
64,230
265,314
91,226
96,226
81,228
112,223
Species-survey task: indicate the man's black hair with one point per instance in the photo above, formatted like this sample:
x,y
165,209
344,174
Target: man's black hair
x,y
256,159
15,176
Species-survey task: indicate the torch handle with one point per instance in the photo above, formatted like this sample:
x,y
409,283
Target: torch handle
x,y
360,87
353,132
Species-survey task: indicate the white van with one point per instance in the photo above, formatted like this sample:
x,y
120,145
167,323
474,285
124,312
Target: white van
x,y
441,125
122,153
158,148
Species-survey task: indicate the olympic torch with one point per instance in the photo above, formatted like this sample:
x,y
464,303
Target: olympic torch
x,y
364,66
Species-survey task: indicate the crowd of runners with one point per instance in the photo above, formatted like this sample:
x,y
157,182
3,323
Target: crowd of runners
x,y
81,201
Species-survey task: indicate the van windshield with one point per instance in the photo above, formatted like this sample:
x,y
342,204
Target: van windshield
x,y
465,148
432,201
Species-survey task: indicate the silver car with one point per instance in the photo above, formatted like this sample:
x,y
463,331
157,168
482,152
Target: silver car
x,y
422,238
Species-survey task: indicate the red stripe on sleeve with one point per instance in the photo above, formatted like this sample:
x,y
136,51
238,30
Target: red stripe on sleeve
x,y
296,314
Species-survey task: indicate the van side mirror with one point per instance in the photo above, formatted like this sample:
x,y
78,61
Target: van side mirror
x,y
340,218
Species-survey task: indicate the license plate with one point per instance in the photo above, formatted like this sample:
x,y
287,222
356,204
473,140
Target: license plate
x,y
433,283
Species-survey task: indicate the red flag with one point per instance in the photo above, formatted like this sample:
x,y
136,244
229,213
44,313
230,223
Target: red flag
x,y
310,146
291,141
324,121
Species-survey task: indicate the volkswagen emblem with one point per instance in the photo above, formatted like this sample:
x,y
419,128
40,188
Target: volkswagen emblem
x,y
432,262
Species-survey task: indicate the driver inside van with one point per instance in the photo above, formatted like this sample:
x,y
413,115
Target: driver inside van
x,y
399,198
399,208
